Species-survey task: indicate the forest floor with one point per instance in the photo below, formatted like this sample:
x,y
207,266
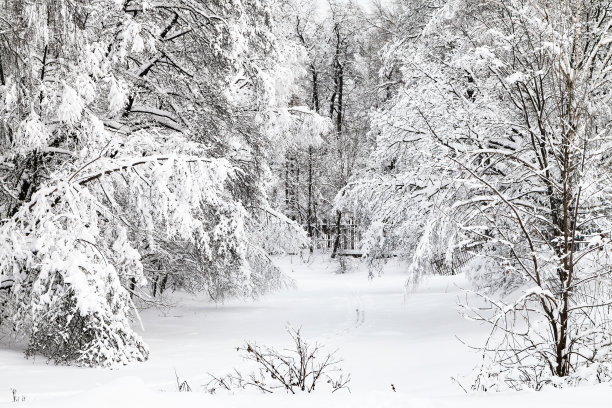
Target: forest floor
x,y
384,337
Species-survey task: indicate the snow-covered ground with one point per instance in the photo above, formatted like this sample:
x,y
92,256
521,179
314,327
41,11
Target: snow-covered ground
x,y
384,337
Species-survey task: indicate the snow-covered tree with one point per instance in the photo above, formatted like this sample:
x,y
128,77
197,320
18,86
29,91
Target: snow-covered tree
x,y
134,144
498,144
338,85
394,194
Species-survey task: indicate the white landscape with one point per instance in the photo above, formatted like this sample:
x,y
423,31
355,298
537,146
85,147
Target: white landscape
x,y
337,203
383,336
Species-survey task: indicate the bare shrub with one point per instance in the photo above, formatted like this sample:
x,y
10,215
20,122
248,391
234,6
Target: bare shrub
x,y
182,386
16,396
299,369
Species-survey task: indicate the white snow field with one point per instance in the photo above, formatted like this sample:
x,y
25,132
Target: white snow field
x,y
384,337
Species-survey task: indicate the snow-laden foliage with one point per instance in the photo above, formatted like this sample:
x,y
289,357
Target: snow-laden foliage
x,y
134,142
66,295
496,148
399,186
341,66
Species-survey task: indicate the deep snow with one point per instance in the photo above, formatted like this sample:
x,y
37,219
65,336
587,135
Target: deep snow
x,y
384,337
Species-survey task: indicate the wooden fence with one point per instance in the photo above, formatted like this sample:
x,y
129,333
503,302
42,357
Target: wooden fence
x,y
440,266
325,231
324,235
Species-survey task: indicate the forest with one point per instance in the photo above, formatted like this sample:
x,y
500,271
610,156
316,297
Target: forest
x,y
191,188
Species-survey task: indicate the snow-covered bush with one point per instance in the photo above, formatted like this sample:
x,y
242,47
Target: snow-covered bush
x,y
65,297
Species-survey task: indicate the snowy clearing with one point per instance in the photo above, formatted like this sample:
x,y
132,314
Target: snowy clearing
x,y
160,159
384,336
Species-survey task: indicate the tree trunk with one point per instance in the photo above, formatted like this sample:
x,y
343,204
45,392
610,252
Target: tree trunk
x,y
310,211
309,220
338,234
162,286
